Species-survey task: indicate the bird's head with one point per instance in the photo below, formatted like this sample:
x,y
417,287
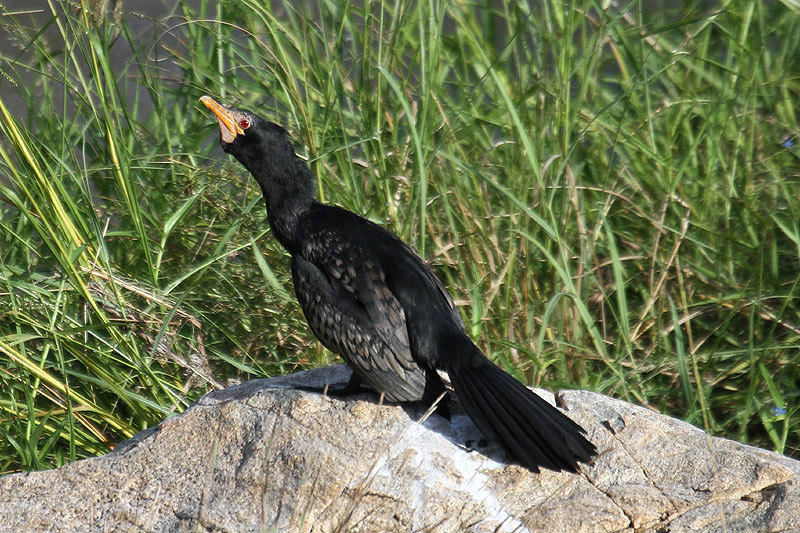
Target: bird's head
x,y
249,138
265,149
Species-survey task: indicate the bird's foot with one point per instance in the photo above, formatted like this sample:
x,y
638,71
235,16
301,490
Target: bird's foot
x,y
352,386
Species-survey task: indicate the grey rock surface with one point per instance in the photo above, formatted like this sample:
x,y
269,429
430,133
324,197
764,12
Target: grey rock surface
x,y
263,457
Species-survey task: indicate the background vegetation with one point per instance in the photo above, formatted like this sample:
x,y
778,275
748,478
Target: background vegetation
x,y
610,189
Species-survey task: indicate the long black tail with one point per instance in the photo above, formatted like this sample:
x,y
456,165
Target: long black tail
x,y
533,431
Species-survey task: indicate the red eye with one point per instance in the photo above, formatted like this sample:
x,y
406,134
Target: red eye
x,y
244,123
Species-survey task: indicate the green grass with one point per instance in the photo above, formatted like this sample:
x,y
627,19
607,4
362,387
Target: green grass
x,y
612,196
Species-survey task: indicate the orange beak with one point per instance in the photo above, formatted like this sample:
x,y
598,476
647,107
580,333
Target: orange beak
x,y
229,129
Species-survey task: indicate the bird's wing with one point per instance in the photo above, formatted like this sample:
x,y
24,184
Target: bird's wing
x,y
361,277
414,263
342,289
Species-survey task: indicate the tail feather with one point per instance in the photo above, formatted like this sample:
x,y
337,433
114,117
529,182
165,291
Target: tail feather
x,y
533,431
514,387
491,421
557,430
526,424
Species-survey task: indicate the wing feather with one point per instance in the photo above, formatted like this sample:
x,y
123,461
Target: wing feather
x,y
350,308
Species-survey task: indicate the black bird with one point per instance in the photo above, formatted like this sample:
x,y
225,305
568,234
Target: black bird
x,y
371,299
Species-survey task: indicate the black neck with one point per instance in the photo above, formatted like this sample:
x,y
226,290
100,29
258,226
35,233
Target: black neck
x,y
289,191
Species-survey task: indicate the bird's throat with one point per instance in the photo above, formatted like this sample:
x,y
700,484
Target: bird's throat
x,y
288,200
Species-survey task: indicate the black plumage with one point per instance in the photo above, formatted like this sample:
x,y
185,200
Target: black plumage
x,y
371,299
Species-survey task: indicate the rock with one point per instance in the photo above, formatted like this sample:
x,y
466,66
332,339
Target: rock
x,y
262,456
